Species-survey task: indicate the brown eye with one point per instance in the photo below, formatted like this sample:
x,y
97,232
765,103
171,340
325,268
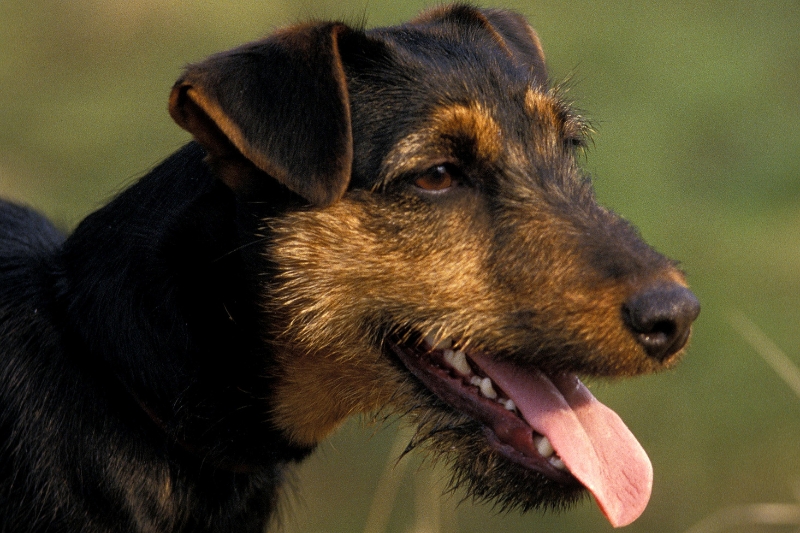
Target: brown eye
x,y
437,178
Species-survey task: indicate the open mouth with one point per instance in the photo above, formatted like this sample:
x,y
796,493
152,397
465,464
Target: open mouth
x,y
550,424
453,376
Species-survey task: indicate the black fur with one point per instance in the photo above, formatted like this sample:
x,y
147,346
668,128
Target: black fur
x,y
139,357
148,308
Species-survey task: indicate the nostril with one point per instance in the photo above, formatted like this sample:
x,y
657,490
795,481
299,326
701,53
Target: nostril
x,y
660,317
657,333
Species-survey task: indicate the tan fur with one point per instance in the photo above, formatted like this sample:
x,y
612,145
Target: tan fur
x,y
473,124
346,269
337,286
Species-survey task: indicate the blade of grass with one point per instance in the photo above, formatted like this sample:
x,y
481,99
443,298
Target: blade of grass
x,y
427,503
765,514
386,492
775,357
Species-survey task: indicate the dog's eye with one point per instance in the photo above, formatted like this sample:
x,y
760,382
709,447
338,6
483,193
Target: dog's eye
x,y
438,178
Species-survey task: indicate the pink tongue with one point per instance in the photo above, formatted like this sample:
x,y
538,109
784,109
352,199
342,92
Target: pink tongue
x,y
591,439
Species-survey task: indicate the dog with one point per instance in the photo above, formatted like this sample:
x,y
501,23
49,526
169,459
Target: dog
x,y
386,221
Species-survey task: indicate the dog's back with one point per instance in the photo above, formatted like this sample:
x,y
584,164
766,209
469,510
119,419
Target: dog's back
x,y
24,233
28,243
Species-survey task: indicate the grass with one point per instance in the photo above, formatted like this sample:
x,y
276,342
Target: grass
x,y
758,514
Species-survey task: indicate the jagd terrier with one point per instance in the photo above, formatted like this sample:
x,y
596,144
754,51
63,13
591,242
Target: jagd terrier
x,y
388,221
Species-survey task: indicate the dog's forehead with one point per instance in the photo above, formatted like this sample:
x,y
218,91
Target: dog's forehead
x,y
457,63
453,85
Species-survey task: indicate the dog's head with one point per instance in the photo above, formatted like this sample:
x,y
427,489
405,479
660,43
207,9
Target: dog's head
x,y
446,258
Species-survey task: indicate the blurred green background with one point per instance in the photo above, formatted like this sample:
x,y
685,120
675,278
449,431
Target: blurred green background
x,y
697,107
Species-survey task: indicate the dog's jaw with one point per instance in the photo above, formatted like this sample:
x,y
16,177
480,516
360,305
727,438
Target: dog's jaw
x,y
454,377
551,425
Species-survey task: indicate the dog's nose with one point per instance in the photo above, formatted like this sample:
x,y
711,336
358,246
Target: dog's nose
x,y
660,317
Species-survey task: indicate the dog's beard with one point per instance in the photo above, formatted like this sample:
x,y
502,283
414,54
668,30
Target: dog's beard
x,y
477,468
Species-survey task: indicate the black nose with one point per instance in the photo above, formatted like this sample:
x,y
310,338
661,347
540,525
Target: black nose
x,y
661,317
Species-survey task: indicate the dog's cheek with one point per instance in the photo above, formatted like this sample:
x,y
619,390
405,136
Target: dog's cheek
x,y
316,392
345,276
324,323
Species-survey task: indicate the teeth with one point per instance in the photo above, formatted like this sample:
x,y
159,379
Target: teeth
x,y
432,342
558,463
458,360
544,447
487,389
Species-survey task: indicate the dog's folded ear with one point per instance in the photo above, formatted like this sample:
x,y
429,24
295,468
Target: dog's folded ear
x,y
509,29
521,39
282,103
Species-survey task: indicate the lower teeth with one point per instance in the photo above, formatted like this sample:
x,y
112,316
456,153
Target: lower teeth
x,y
546,450
487,389
543,446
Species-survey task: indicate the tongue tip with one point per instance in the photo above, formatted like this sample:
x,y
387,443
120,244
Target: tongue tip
x,y
622,517
623,509
622,520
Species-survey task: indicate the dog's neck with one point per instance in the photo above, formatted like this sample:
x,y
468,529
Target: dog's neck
x,y
153,252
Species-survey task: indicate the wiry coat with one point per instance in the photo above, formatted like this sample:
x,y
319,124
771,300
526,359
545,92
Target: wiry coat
x,y
348,193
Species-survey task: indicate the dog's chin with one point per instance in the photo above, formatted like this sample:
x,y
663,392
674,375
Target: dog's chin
x,y
486,474
493,453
